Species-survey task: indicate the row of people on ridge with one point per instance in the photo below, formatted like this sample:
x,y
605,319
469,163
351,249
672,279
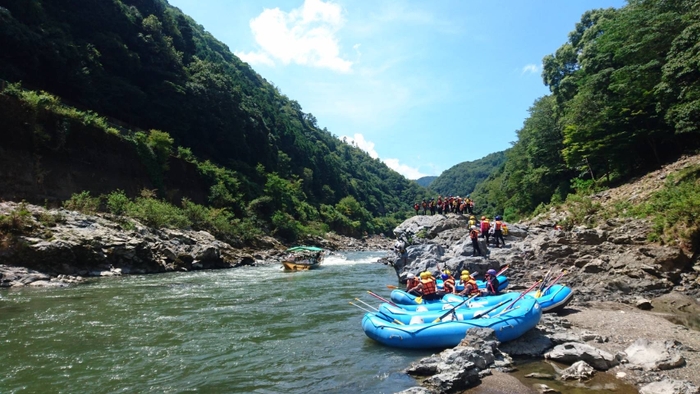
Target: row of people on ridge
x,y
427,287
448,204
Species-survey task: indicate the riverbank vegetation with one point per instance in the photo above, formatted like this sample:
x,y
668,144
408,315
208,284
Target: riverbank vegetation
x,y
624,101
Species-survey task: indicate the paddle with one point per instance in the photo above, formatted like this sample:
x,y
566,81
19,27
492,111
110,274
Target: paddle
x,y
522,295
385,317
381,298
554,281
503,270
380,312
486,312
538,294
454,308
392,287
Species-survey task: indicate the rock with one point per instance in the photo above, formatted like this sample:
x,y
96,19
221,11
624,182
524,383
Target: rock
x,y
653,355
669,387
533,344
643,304
538,375
461,367
571,352
579,370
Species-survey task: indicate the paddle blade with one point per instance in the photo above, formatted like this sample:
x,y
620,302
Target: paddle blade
x,y
538,294
419,300
391,287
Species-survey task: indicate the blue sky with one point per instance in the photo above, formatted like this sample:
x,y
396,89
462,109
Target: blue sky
x,y
423,85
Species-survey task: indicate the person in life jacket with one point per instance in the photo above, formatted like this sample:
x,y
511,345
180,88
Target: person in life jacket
x,y
448,283
498,231
474,235
485,227
424,205
411,284
472,221
416,206
470,286
427,286
432,206
492,283
470,206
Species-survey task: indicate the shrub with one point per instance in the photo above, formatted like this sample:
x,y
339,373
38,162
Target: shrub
x,y
117,202
157,213
82,202
17,221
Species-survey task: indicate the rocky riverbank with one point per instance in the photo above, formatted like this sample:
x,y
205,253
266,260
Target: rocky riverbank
x,y
632,316
58,247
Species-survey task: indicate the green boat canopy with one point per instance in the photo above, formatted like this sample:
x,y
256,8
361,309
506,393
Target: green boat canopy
x,y
304,249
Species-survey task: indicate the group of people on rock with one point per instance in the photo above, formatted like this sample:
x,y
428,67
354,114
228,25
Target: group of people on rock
x,y
426,285
455,204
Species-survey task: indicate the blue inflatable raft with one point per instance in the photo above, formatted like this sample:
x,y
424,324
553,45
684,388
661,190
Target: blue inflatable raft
x,y
404,298
462,311
508,325
555,298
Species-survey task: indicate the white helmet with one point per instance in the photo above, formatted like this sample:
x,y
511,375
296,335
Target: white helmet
x,y
410,275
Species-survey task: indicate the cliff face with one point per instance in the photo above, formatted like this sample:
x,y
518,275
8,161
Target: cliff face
x,y
47,158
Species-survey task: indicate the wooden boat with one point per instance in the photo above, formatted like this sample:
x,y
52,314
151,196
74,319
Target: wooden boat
x,y
302,258
508,325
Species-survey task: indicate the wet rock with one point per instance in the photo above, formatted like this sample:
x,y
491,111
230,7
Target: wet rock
x,y
461,367
533,344
579,370
538,375
544,389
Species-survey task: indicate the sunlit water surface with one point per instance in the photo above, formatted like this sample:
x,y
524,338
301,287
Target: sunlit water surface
x,y
244,330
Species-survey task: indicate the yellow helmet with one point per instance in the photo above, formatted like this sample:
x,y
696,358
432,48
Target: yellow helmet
x,y
472,217
465,277
448,272
465,272
425,275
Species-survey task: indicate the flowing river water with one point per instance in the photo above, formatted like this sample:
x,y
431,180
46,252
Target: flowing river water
x,y
244,330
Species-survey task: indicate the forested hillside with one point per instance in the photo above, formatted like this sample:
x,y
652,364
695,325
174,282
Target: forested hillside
x,y
625,98
426,180
170,85
461,179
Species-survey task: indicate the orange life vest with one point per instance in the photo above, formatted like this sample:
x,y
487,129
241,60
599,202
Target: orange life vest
x,y
485,226
411,283
498,225
429,286
474,234
449,284
474,288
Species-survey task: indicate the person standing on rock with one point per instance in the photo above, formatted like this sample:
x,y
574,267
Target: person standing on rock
x,y
498,231
474,235
485,227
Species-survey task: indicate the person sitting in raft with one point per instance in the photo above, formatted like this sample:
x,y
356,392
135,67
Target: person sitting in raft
x,y
491,283
411,284
427,286
470,286
448,283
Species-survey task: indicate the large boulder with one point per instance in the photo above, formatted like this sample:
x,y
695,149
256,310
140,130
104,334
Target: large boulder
x,y
571,352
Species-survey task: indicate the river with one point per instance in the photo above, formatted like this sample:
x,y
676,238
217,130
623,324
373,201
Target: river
x,y
245,330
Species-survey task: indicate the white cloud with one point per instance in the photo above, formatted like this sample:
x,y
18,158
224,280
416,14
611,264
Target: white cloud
x,y
304,36
360,141
255,58
368,146
403,169
531,68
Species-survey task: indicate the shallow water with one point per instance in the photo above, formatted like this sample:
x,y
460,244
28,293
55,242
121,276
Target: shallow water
x,y
244,330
